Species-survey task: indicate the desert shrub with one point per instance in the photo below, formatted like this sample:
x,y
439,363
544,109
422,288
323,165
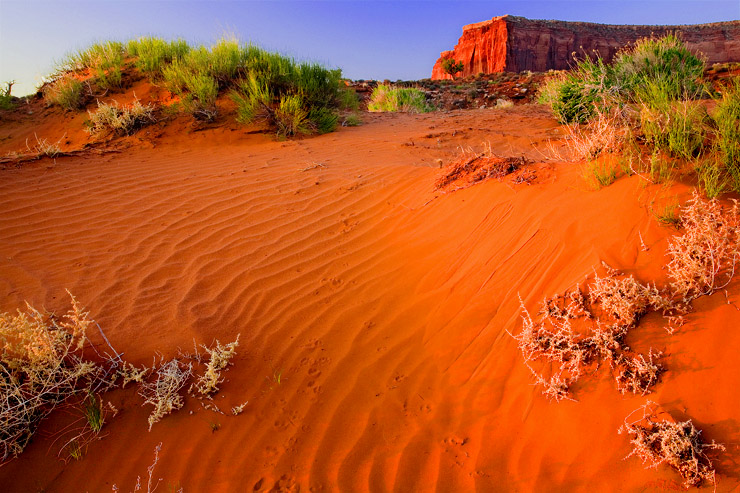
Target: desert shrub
x,y
41,366
351,121
727,121
290,115
625,299
226,59
386,98
152,54
679,444
6,100
218,359
66,92
200,100
348,99
451,67
704,257
665,61
711,178
120,119
164,392
676,127
293,98
600,173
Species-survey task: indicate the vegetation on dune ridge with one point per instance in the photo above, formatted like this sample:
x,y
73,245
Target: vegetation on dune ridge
x,y
650,106
290,97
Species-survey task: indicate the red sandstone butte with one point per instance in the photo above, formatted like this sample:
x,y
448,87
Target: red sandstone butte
x,y
513,44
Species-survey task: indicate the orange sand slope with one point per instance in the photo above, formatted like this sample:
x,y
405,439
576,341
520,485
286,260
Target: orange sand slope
x,y
382,305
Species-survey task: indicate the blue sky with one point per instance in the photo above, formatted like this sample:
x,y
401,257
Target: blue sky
x,y
366,39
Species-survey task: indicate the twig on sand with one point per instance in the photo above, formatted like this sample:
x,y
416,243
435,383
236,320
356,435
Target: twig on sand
x,y
313,166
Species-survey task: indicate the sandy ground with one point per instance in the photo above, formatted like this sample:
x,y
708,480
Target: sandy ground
x,y
374,312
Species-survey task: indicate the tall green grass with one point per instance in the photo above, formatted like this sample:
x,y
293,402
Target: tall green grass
x,y
153,54
406,99
727,121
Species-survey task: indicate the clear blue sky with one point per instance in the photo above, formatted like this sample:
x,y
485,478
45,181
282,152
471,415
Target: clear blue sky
x,y
366,39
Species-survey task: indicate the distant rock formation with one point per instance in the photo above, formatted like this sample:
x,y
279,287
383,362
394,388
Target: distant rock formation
x,y
513,44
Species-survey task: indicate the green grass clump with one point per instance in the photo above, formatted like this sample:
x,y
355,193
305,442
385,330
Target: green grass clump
x,y
291,97
6,100
104,60
665,61
93,409
153,54
711,178
66,92
405,99
676,127
727,121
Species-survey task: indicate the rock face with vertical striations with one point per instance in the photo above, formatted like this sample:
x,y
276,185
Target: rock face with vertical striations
x,y
513,44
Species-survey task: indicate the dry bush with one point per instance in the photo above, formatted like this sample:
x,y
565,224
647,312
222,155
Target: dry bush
x,y
551,337
472,167
120,119
656,441
164,392
151,484
703,258
218,359
636,374
625,299
41,366
604,133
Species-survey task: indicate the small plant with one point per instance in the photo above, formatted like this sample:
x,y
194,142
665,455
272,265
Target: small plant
x,y
65,92
392,99
120,119
153,54
451,67
6,100
44,148
290,116
218,359
600,173
704,257
711,178
200,100
668,215
351,121
656,440
164,392
93,409
678,128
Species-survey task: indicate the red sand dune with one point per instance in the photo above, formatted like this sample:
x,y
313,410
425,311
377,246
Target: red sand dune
x,y
383,305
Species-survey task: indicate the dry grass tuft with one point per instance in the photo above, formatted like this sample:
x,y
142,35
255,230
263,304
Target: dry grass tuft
x,y
164,392
703,258
473,167
218,359
41,365
120,119
656,441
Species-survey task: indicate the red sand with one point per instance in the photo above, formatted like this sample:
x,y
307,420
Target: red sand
x,y
383,305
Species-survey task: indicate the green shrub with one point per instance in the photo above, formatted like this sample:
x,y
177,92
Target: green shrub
x,y
6,100
665,61
154,53
727,121
253,99
387,98
290,115
65,92
200,100
120,119
676,127
348,99
323,120
711,178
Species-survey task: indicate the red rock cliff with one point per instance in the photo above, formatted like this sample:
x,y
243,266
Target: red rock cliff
x,y
514,44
